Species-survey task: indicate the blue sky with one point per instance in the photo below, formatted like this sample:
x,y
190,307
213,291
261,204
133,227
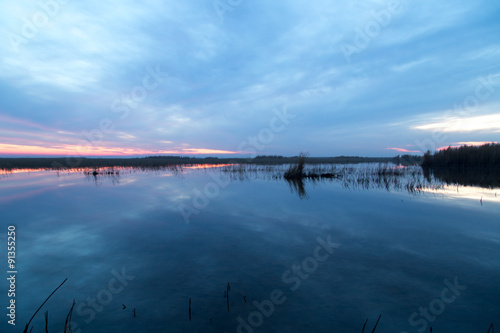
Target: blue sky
x,y
371,78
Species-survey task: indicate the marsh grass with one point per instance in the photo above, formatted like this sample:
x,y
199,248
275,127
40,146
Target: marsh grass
x,y
360,176
387,176
67,324
296,171
61,163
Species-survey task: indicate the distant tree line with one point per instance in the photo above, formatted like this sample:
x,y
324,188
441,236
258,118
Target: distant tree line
x,y
60,163
485,156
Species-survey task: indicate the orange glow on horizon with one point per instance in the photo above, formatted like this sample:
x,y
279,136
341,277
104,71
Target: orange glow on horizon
x,y
80,150
13,171
205,166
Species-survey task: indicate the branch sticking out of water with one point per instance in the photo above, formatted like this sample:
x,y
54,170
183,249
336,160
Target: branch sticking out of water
x,y
366,321
190,309
29,322
46,321
227,293
374,328
67,324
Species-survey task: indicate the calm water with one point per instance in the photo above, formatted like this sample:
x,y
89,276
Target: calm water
x,y
328,259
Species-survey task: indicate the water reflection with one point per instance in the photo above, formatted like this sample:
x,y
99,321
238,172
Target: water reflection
x,y
370,176
98,176
488,178
396,249
388,177
297,185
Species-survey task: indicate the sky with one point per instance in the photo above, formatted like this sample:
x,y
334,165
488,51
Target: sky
x,y
246,78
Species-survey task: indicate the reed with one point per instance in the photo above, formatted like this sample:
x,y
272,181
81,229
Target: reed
x,y
29,322
296,171
374,328
67,324
46,321
227,295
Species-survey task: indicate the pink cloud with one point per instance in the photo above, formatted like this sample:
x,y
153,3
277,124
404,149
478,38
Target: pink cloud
x,y
468,143
402,150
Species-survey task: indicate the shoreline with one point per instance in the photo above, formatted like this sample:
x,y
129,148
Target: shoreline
x,y
62,163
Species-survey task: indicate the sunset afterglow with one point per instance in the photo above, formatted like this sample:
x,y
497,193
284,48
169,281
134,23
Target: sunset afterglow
x,y
68,150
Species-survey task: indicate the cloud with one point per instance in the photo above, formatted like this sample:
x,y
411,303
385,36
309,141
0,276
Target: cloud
x,y
466,143
204,151
403,150
409,65
466,124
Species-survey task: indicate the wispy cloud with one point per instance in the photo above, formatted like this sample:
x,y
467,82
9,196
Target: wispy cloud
x,y
467,124
409,65
403,150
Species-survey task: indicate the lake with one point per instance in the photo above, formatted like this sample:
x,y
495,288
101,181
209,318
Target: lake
x,y
228,250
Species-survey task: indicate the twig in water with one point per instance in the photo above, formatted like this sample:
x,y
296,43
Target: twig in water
x,y
47,321
374,328
227,298
29,322
67,324
492,329
376,323
366,321
190,309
